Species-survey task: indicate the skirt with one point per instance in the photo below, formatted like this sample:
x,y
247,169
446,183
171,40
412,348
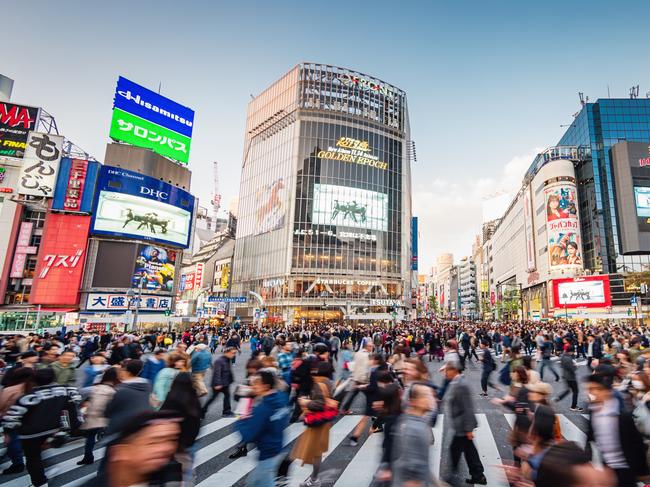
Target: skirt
x,y
311,445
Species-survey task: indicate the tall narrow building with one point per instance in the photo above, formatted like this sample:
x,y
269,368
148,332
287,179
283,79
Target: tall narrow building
x,y
325,199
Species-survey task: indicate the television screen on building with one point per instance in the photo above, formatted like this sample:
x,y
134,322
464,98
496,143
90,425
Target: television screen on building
x,y
155,266
132,205
350,207
582,292
642,199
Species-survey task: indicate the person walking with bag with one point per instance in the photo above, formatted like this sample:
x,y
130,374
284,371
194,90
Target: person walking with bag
x,y
319,412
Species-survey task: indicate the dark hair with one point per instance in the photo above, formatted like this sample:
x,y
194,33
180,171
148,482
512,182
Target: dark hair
x,y
385,377
572,244
44,376
110,377
527,360
322,369
544,423
21,375
522,375
182,396
266,377
557,465
133,366
141,421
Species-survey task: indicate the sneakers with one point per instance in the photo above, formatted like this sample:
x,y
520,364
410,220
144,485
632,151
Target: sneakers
x,y
86,461
242,451
229,414
14,469
484,394
577,409
353,441
311,483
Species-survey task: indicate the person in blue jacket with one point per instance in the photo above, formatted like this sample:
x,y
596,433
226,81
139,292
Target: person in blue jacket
x,y
265,426
153,365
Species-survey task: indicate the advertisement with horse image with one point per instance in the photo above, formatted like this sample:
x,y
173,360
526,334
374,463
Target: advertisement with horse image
x,y
133,205
350,207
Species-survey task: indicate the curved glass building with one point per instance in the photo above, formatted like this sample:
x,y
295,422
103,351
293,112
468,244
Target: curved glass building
x,y
324,229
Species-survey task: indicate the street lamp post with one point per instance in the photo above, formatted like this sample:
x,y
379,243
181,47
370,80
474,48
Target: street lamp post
x,y
130,293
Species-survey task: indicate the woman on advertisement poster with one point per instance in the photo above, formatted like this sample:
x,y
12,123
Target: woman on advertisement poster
x,y
558,208
564,250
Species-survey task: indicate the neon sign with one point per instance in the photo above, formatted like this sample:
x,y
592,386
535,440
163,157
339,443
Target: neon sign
x,y
353,151
365,84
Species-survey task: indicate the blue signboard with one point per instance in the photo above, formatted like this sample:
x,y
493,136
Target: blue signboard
x,y
75,185
149,105
414,243
226,299
129,204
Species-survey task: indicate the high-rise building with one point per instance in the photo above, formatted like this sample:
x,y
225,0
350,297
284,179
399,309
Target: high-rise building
x,y
467,288
325,199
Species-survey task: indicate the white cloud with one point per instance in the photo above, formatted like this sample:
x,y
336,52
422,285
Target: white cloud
x,y
451,212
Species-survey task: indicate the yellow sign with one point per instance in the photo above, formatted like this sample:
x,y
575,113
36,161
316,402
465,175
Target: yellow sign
x,y
353,151
225,276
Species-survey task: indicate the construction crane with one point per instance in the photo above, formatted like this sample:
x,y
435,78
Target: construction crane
x,y
216,196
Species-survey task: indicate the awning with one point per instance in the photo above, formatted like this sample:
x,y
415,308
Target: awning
x,y
36,310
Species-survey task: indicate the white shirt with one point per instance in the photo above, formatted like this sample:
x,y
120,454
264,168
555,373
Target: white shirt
x,y
604,421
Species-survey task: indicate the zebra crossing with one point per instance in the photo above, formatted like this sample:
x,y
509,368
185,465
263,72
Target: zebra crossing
x,y
343,465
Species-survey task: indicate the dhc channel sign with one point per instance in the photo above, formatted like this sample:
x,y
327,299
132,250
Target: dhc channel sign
x,y
133,205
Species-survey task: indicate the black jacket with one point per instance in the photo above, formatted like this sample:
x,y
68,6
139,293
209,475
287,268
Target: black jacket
x,y
40,412
130,399
222,372
634,449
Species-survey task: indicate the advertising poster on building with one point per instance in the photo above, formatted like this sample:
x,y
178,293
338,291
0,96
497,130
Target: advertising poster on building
x,y
529,231
16,121
41,165
350,207
147,119
270,206
582,292
563,228
75,185
130,204
642,203
61,260
155,267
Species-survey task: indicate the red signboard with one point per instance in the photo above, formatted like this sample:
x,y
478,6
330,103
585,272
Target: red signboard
x,y
582,292
75,189
61,260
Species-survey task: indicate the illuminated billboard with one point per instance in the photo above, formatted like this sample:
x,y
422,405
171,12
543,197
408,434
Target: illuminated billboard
x,y
61,260
350,207
16,121
271,206
642,200
133,205
563,227
155,267
582,292
144,118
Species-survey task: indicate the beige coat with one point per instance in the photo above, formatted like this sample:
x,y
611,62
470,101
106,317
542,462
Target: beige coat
x,y
100,396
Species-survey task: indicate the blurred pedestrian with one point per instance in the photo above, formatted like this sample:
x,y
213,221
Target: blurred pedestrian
x,y
222,378
130,399
200,362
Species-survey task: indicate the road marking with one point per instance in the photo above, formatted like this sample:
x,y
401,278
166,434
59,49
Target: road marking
x,y
435,454
489,453
361,470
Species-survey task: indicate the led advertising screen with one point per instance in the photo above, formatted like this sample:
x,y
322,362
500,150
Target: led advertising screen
x,y
61,260
350,207
582,292
271,206
147,119
16,121
133,205
563,228
157,266
642,200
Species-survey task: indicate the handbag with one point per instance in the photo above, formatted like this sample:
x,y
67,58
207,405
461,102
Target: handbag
x,y
328,414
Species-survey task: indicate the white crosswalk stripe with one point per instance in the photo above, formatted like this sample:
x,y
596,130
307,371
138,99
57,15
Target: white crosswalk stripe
x,y
349,466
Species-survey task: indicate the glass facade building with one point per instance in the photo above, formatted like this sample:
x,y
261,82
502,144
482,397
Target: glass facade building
x,y
325,197
599,126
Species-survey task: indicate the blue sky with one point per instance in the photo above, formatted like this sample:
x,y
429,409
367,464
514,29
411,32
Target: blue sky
x,y
488,83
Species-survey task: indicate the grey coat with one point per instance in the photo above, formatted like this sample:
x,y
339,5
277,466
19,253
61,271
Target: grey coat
x,y
459,407
413,439
568,367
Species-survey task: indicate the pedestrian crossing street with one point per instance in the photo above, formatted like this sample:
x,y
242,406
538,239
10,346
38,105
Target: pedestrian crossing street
x,y
343,465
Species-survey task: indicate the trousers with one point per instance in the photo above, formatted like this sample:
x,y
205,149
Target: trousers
x,y
462,445
32,448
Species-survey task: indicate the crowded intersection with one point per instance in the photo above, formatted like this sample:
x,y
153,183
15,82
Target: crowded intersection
x,y
429,402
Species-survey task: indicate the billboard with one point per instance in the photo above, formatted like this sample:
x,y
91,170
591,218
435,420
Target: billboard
x,y
147,119
414,243
156,266
270,206
642,201
129,204
563,227
75,185
16,121
122,302
23,249
61,260
41,165
350,207
582,292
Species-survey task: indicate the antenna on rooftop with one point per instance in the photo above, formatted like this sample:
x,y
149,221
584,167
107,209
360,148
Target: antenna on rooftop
x,y
583,99
634,92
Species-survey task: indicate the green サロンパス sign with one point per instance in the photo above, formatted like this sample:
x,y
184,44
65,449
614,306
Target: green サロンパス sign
x,y
142,133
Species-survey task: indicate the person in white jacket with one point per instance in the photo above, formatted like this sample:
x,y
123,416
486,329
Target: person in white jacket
x,y
360,375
